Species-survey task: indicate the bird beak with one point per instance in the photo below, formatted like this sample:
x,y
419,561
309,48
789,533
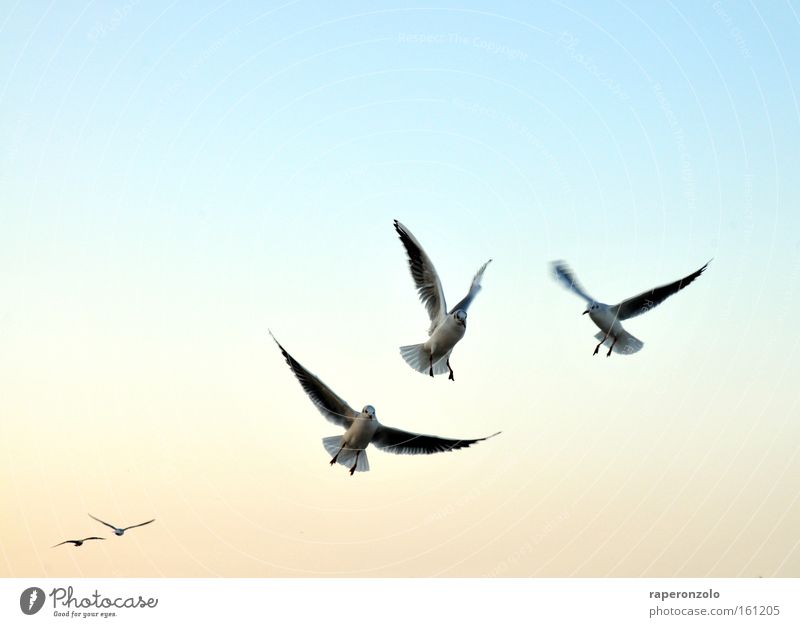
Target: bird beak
x,y
585,312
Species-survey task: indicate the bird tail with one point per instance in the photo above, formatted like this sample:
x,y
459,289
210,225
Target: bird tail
x,y
626,343
347,456
418,358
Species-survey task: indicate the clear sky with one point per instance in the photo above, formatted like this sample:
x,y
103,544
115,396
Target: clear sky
x,y
176,178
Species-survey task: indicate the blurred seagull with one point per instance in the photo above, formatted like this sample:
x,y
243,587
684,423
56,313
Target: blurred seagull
x,y
118,531
76,542
362,428
608,317
447,328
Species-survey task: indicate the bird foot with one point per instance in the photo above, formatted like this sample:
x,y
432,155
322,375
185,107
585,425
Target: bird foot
x,y
451,377
352,470
596,350
333,461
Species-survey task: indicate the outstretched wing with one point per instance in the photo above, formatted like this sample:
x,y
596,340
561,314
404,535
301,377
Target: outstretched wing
x,y
474,288
64,542
139,525
645,301
92,538
425,278
562,272
402,442
103,522
329,405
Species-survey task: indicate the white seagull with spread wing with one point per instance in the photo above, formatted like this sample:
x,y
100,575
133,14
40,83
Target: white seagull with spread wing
x,y
118,531
608,317
362,428
447,328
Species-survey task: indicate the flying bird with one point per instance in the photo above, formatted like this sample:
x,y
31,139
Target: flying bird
x,y
447,327
608,317
362,427
118,531
76,542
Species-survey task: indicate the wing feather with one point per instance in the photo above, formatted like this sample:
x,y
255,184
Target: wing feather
x,y
474,288
140,524
333,408
425,277
644,302
402,442
563,273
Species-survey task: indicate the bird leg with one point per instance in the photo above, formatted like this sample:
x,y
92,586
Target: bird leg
x,y
597,348
451,377
335,457
608,354
355,463
430,372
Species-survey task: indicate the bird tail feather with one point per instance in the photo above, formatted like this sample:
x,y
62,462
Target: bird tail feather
x,y
418,358
347,456
626,343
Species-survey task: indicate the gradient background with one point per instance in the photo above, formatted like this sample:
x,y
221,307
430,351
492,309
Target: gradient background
x,y
176,178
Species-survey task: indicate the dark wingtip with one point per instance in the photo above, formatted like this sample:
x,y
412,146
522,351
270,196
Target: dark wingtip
x,y
275,339
402,233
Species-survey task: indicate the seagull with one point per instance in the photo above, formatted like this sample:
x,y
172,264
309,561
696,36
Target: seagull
x,y
362,428
76,542
118,531
447,328
608,317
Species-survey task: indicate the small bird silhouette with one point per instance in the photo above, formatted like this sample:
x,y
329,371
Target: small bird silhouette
x,y
76,542
118,531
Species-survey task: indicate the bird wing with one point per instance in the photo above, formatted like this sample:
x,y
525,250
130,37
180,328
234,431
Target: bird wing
x,y
92,538
563,273
425,277
474,288
326,401
402,442
645,301
64,542
139,525
104,522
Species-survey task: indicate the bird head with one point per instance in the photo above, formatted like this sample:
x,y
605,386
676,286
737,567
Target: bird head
x,y
460,316
369,412
593,306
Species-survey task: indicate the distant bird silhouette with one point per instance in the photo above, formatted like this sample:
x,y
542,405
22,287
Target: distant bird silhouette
x,y
118,531
76,542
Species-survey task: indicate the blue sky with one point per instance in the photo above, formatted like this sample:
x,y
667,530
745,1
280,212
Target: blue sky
x,y
177,178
